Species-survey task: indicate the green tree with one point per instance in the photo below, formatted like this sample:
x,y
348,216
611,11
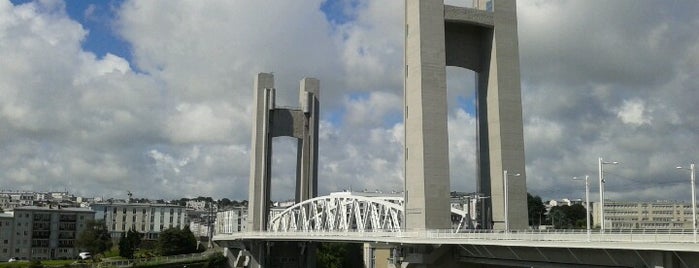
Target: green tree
x,y
576,214
94,238
129,242
173,241
536,209
567,217
336,255
225,202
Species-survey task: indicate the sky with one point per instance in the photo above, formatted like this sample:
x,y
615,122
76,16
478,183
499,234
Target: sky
x,y
155,97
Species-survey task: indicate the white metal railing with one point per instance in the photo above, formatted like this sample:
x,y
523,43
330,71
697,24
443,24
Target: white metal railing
x,y
573,235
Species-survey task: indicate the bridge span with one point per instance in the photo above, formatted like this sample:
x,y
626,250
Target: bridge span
x,y
376,221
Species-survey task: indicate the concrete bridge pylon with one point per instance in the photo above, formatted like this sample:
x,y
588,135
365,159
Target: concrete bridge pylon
x,y
482,39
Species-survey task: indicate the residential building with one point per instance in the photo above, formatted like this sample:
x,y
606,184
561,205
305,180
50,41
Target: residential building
x,y
645,215
4,200
200,205
147,218
40,233
231,221
6,224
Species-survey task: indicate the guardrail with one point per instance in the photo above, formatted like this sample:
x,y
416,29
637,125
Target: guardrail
x,y
572,235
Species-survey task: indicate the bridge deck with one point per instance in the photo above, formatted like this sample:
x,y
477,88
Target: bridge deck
x,y
616,239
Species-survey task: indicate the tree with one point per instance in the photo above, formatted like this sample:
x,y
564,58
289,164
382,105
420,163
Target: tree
x,y
225,202
567,217
335,255
94,238
129,242
536,209
173,241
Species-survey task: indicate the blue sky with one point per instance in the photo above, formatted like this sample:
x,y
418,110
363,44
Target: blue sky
x,y
98,18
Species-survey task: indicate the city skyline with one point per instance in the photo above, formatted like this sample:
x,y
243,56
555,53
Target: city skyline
x,y
162,106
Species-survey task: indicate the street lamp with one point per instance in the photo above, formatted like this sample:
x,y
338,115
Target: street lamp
x,y
601,189
694,204
587,203
507,206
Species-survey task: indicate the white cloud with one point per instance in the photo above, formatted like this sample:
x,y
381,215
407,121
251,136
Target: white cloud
x,y
633,112
613,79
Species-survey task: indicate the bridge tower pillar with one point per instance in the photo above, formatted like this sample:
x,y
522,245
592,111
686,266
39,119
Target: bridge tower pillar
x,y
270,121
482,39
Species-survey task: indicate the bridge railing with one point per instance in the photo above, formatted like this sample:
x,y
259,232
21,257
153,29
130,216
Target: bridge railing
x,y
568,235
572,235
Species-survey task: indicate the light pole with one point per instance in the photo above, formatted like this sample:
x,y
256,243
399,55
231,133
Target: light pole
x,y
507,205
694,200
601,190
587,203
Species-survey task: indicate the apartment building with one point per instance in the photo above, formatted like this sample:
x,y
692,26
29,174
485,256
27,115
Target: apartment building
x,y
231,221
146,218
6,248
40,233
644,215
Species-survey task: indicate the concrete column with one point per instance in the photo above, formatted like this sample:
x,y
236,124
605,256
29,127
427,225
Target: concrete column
x,y
426,137
307,152
505,127
260,151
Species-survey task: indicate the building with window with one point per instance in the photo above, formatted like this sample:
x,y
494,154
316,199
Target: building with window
x,y
6,248
146,218
231,221
40,233
644,215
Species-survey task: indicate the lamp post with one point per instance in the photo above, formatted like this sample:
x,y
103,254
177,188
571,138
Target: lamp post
x,y
694,200
587,203
507,205
601,190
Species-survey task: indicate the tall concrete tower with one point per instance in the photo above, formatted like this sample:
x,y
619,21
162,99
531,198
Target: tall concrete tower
x,y
484,40
269,122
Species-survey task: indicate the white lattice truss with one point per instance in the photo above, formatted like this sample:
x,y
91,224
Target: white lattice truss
x,y
346,212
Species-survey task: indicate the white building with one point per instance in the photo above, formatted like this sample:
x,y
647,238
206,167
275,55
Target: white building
x,y
146,218
231,221
644,215
196,205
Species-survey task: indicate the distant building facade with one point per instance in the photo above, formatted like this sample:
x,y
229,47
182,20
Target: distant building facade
x,y
40,233
10,199
6,242
146,218
232,220
644,215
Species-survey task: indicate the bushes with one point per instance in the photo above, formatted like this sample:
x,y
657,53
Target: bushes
x,y
173,241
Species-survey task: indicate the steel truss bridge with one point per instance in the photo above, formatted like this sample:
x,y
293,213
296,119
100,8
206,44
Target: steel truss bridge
x,y
345,212
344,217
